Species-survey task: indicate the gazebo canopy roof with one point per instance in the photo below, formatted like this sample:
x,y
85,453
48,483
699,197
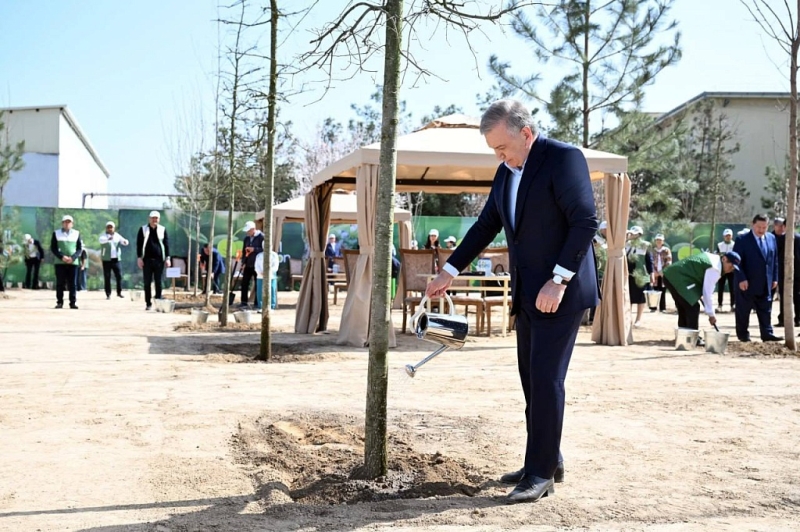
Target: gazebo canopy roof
x,y
343,210
449,155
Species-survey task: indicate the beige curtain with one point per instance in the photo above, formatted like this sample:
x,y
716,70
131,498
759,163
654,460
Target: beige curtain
x,y
354,327
612,320
277,230
405,243
312,302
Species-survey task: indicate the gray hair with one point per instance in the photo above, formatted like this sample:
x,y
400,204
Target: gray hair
x,y
512,113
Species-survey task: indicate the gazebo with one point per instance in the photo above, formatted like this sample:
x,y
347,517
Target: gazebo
x,y
448,155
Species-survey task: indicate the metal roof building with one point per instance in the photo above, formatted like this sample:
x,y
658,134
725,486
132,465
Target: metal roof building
x,y
60,162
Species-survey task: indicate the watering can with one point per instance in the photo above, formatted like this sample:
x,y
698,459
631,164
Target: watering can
x,y
448,330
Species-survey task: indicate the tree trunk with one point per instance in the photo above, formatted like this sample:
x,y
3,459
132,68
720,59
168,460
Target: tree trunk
x,y
375,442
210,263
717,163
196,279
265,349
787,297
585,76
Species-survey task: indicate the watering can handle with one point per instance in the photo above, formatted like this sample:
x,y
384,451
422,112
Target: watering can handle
x,y
421,307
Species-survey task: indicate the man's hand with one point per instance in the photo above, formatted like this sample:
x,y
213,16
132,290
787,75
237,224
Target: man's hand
x,y
743,286
140,263
712,320
168,263
550,297
124,242
439,285
67,259
774,285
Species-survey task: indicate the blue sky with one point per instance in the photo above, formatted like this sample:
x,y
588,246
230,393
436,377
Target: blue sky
x,y
136,73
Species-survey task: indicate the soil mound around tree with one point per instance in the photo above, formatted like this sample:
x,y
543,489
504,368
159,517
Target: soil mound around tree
x,y
761,350
319,461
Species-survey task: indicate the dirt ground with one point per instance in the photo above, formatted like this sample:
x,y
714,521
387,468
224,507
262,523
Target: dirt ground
x,y
113,419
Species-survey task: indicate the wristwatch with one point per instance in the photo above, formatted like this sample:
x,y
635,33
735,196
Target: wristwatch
x,y
560,280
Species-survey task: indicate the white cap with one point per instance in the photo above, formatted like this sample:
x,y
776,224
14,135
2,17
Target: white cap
x,y
329,236
450,238
603,225
249,225
636,230
434,232
155,214
26,237
659,236
111,224
727,232
67,218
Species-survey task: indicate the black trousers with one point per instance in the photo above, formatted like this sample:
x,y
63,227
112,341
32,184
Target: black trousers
x,y
795,301
65,278
153,271
248,275
688,315
32,273
544,349
745,302
108,267
725,278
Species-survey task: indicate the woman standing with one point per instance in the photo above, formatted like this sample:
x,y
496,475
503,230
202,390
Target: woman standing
x,y
640,267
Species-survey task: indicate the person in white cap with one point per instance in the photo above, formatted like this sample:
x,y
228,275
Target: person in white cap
x,y
661,258
66,246
640,267
253,245
152,251
433,239
332,250
34,257
450,242
722,248
110,254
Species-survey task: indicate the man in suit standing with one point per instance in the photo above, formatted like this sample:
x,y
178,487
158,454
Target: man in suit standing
x,y
332,249
756,278
253,245
152,250
542,197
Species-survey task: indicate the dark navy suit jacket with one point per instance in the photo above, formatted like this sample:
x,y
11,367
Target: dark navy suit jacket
x,y
555,223
758,270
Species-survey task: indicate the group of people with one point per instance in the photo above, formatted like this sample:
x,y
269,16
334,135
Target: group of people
x,y
751,267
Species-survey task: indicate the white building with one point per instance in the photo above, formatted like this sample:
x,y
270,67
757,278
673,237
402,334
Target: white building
x,y
760,122
60,163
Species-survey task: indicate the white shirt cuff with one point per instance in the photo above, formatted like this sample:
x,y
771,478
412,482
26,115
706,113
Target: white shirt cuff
x,y
563,272
449,268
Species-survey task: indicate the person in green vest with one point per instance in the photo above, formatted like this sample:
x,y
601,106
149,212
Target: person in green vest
x,y
694,277
66,246
110,253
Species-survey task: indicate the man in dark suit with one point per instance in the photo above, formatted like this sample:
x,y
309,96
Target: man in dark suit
x,y
542,197
756,278
332,249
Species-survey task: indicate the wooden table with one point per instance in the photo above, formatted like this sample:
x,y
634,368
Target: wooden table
x,y
505,281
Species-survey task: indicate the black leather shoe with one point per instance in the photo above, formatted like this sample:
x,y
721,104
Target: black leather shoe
x,y
59,305
701,342
531,489
73,307
516,477
744,339
772,338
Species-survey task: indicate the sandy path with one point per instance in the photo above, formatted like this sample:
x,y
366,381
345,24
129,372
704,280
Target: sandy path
x,y
110,421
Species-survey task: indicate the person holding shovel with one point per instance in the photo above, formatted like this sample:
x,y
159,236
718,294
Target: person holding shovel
x,y
693,278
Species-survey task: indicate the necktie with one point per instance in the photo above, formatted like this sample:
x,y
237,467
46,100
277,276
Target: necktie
x,y
763,246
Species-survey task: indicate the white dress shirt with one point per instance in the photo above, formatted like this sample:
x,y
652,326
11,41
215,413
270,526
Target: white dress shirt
x,y
710,282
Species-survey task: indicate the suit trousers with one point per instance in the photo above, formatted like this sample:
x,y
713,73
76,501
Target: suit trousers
x,y
544,349
32,273
745,302
108,267
688,315
153,271
65,278
661,287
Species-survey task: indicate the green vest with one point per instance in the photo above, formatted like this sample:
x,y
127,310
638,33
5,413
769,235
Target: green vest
x,y
687,276
111,242
67,243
